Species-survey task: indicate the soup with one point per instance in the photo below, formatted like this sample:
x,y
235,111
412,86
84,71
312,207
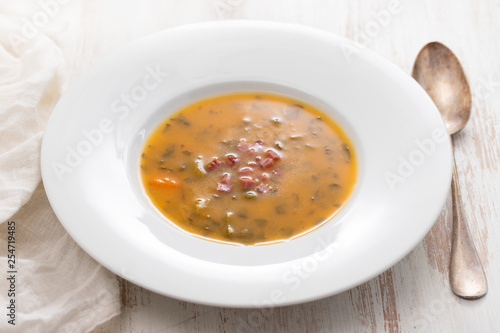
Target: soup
x,y
248,168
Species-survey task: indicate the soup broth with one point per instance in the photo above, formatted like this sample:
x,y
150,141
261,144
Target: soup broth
x,y
248,168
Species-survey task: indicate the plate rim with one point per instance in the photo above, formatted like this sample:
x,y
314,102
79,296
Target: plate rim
x,y
204,25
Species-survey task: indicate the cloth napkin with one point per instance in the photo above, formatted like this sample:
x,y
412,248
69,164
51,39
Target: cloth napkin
x,y
58,287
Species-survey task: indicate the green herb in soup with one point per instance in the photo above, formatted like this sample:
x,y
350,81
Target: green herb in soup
x,y
248,168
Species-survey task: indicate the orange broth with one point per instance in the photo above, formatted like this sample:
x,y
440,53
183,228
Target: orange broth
x,y
248,168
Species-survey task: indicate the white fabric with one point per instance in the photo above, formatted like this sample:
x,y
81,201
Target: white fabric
x,y
59,287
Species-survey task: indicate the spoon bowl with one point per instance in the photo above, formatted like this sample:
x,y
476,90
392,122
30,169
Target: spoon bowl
x,y
439,72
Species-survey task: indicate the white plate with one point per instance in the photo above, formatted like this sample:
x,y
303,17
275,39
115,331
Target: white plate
x,y
91,148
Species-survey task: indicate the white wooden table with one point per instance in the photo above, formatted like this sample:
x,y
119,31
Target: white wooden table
x,y
414,295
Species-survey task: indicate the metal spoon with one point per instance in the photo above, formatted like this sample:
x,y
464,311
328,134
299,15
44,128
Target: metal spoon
x,y
439,72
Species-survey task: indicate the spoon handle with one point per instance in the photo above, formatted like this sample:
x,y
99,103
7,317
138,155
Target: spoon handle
x,y
467,276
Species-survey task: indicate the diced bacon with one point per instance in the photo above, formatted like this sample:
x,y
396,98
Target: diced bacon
x,y
224,187
214,164
258,159
272,154
226,178
267,163
232,159
247,182
263,188
252,164
243,146
245,171
264,176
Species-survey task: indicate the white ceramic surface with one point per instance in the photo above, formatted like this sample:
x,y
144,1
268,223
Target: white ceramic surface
x,y
91,148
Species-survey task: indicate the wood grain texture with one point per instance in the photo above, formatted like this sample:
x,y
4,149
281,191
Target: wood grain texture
x,y
414,295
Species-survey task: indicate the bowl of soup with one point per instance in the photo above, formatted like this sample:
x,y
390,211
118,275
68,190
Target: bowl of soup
x,y
246,163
